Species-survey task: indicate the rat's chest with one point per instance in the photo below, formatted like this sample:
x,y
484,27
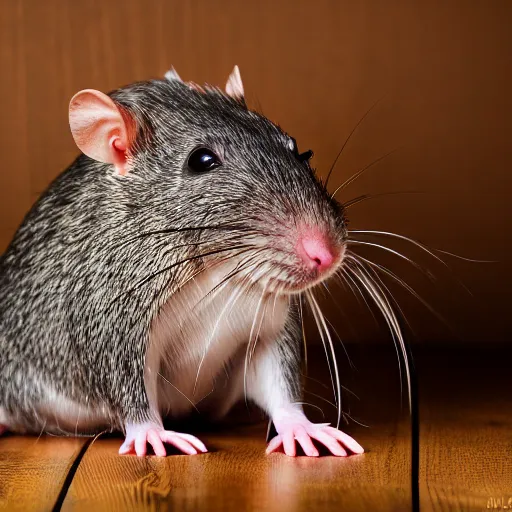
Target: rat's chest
x,y
201,332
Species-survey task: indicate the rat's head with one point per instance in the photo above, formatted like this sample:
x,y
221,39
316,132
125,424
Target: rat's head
x,y
197,161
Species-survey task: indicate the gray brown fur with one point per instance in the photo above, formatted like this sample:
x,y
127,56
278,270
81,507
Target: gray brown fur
x,y
75,312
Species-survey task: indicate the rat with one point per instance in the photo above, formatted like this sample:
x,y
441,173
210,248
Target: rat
x,y
161,273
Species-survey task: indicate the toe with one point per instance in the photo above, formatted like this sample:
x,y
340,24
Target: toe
x,y
155,441
194,441
289,443
178,442
274,444
329,442
140,444
348,441
126,447
305,441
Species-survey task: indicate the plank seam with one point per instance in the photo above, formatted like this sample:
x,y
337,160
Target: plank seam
x,y
71,475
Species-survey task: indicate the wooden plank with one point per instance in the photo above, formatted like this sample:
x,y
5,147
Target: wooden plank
x,y
236,474
466,430
33,470
444,103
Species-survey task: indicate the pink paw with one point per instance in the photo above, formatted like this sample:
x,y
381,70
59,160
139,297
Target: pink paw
x,y
292,425
137,437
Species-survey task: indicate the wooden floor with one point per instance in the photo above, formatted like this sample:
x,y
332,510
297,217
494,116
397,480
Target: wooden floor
x,y
465,459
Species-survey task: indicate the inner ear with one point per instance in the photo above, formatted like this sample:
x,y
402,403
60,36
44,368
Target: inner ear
x,y
234,85
102,129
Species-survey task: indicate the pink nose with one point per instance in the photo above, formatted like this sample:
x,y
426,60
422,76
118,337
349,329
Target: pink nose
x,y
316,252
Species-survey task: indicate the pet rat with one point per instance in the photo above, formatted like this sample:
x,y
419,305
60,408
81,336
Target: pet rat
x,y
161,272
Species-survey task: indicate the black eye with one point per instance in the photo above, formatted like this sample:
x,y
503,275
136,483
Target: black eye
x,y
304,157
202,160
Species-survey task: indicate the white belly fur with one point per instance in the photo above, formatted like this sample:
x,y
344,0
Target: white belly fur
x,y
195,340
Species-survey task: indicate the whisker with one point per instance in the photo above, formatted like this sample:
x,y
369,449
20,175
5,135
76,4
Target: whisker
x,y
301,313
355,421
465,259
167,231
400,237
179,391
348,139
181,262
241,266
380,298
332,326
375,275
366,197
361,171
315,316
311,405
406,286
424,248
247,352
233,298
348,279
335,364
396,253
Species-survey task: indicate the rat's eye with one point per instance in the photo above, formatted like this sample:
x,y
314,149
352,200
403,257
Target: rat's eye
x,y
202,160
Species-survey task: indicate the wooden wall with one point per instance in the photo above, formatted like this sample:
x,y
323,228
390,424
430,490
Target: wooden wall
x,y
442,70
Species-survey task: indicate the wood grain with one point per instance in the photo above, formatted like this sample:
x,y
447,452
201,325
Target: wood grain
x,y
237,475
466,430
33,470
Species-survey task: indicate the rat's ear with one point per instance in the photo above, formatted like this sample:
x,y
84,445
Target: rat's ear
x,y
234,85
101,128
172,74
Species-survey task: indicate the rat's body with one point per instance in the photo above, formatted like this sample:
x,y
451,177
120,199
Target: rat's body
x,y
140,286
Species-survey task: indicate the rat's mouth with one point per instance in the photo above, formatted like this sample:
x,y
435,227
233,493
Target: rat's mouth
x,y
298,280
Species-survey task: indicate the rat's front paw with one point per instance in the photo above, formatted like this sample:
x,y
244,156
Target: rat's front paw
x,y
292,425
138,435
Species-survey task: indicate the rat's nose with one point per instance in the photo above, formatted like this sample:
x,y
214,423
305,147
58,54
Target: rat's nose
x,y
315,251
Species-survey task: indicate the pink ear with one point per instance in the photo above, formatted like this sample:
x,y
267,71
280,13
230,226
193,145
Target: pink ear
x,y
100,128
234,85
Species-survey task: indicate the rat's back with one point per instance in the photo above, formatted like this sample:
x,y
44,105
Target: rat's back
x,y
42,273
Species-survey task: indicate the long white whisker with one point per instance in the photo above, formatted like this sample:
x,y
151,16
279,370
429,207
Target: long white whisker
x,y
465,259
179,391
379,296
349,279
423,247
396,253
402,283
376,275
317,321
249,347
358,173
311,405
333,328
260,323
303,333
335,364
234,296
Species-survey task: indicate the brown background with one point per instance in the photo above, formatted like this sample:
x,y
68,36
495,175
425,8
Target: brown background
x,y
442,70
